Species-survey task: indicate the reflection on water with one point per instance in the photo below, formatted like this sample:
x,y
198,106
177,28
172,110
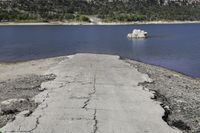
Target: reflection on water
x,y
173,46
139,41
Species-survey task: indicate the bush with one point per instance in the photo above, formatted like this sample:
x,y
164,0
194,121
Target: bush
x,y
132,10
84,19
69,16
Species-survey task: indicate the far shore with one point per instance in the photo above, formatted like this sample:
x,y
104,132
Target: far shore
x,y
97,23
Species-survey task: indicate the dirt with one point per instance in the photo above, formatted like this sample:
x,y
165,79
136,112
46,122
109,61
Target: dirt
x,y
178,93
17,95
20,82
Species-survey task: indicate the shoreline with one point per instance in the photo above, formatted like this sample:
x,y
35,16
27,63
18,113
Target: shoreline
x,y
174,90
98,23
162,67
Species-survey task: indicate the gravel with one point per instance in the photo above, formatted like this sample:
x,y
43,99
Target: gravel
x,y
16,95
178,93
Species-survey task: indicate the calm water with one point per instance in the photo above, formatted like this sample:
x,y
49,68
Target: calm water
x,y
173,46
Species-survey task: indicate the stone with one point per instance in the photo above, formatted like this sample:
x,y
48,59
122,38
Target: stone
x,y
41,89
12,106
137,33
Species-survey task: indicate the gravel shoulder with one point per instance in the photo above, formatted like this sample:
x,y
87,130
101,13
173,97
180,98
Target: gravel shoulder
x,y
19,83
179,94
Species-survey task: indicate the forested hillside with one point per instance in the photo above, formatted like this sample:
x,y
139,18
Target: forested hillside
x,y
108,10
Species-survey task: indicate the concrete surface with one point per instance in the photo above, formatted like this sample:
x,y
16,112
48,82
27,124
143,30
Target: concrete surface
x,y
93,94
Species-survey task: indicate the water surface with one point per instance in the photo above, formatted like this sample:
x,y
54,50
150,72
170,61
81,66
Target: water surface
x,y
174,46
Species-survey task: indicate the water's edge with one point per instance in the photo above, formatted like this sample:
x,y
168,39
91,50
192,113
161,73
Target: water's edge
x,y
174,90
99,23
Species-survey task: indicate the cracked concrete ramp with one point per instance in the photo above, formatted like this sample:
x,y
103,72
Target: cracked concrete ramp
x,y
93,94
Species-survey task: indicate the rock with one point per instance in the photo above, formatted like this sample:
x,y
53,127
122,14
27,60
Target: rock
x,y
11,101
41,89
166,107
26,113
12,106
137,33
50,77
1,113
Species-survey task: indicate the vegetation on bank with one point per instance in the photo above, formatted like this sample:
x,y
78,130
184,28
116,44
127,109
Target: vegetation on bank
x,y
17,16
76,10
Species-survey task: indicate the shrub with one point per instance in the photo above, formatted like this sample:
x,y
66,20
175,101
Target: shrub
x,y
84,19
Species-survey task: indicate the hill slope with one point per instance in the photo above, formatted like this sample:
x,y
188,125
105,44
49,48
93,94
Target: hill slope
x,y
108,10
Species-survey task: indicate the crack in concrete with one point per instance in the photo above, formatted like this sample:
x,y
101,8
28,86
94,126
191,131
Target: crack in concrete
x,y
71,82
37,123
19,127
79,119
86,103
77,97
95,127
17,132
91,93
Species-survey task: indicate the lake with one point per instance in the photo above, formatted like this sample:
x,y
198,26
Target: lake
x,y
174,46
